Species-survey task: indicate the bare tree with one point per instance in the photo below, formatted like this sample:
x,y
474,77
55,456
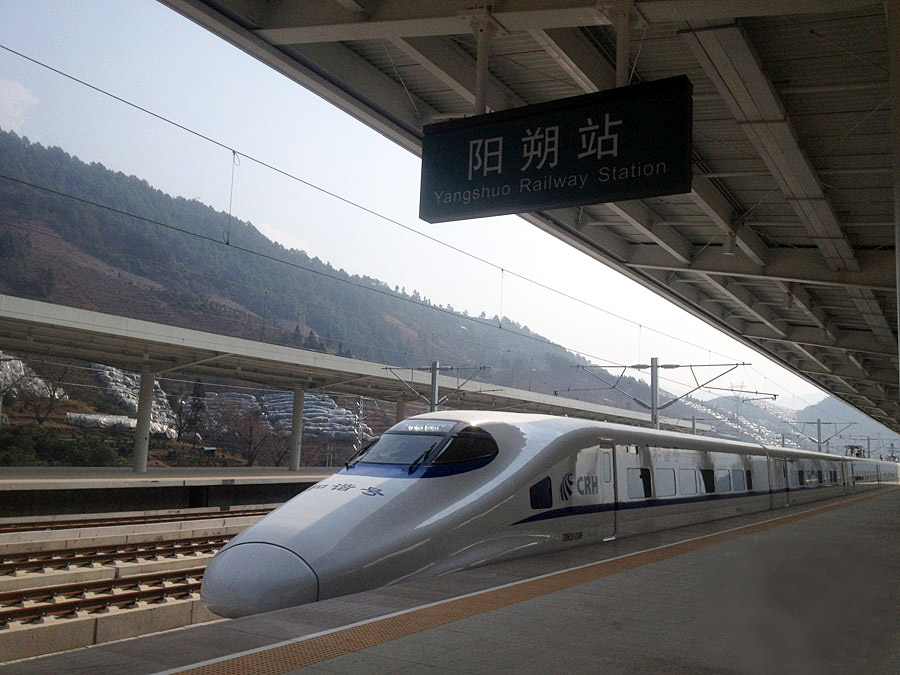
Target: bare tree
x,y
277,450
10,378
251,433
42,395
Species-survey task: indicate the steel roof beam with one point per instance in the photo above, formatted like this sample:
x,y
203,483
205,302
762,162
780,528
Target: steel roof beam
x,y
790,265
306,22
714,204
871,311
666,11
728,58
749,302
575,54
854,341
801,298
333,72
453,66
639,216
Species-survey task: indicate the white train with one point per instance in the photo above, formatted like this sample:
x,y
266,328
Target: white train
x,y
449,490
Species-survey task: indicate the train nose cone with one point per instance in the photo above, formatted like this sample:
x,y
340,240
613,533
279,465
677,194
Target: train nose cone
x,y
256,577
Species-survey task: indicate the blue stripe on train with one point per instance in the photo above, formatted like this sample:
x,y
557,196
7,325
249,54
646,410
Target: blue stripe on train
x,y
567,511
421,471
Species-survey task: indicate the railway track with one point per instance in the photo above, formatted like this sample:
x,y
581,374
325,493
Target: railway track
x,y
70,600
36,526
17,563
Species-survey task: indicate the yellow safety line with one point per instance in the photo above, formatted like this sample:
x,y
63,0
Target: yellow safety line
x,y
307,652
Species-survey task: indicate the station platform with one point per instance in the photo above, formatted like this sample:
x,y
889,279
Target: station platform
x,y
807,590
35,492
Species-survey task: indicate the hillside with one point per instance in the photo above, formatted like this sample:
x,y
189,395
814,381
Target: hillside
x,y
180,262
93,238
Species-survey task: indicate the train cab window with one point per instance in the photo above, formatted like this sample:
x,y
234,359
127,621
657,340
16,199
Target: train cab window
x,y
709,480
607,467
749,480
469,445
795,478
723,480
737,480
687,481
638,483
665,482
542,494
400,448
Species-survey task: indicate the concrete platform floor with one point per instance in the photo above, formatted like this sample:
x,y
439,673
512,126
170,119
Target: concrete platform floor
x,y
815,592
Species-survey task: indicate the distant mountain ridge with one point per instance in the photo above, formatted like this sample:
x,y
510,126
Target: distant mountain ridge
x,y
171,265
169,262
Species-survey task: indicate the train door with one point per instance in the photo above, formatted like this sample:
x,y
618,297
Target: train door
x,y
781,496
593,487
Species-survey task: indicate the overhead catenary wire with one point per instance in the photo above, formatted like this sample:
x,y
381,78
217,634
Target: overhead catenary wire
x,y
237,153
422,303
235,157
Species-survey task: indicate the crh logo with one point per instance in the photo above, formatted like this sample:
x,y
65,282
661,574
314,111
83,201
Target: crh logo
x,y
588,485
565,487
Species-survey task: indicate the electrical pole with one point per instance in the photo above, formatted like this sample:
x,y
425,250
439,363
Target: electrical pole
x,y
654,392
435,369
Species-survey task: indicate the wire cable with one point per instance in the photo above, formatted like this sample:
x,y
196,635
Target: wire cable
x,y
345,200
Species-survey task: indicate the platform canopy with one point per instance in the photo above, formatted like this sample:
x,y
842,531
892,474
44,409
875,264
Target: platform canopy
x,y
57,331
786,240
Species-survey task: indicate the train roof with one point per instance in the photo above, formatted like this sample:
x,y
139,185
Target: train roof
x,y
637,435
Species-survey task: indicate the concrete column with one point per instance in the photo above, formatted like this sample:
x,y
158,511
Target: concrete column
x,y
401,411
142,433
892,15
296,429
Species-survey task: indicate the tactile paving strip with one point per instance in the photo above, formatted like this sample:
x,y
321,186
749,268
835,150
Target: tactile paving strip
x,y
306,652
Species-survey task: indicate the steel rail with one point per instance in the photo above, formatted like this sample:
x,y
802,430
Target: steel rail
x,y
51,593
62,559
123,520
74,606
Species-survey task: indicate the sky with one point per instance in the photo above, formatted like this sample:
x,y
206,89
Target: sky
x,y
148,55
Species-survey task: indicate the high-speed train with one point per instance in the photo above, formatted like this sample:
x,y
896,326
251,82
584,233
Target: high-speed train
x,y
450,490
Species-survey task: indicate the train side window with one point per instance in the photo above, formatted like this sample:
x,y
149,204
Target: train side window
x,y
709,480
687,481
737,479
665,482
801,478
749,480
723,480
542,494
469,445
607,467
820,477
795,479
638,483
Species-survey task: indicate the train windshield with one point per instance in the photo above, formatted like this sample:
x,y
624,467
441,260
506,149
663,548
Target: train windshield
x,y
401,448
416,442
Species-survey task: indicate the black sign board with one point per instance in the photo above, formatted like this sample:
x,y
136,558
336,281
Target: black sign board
x,y
618,144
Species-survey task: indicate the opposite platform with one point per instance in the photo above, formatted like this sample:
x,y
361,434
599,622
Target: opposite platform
x,y
799,591
57,492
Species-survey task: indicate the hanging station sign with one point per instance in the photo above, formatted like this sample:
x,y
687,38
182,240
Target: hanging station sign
x,y
625,143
